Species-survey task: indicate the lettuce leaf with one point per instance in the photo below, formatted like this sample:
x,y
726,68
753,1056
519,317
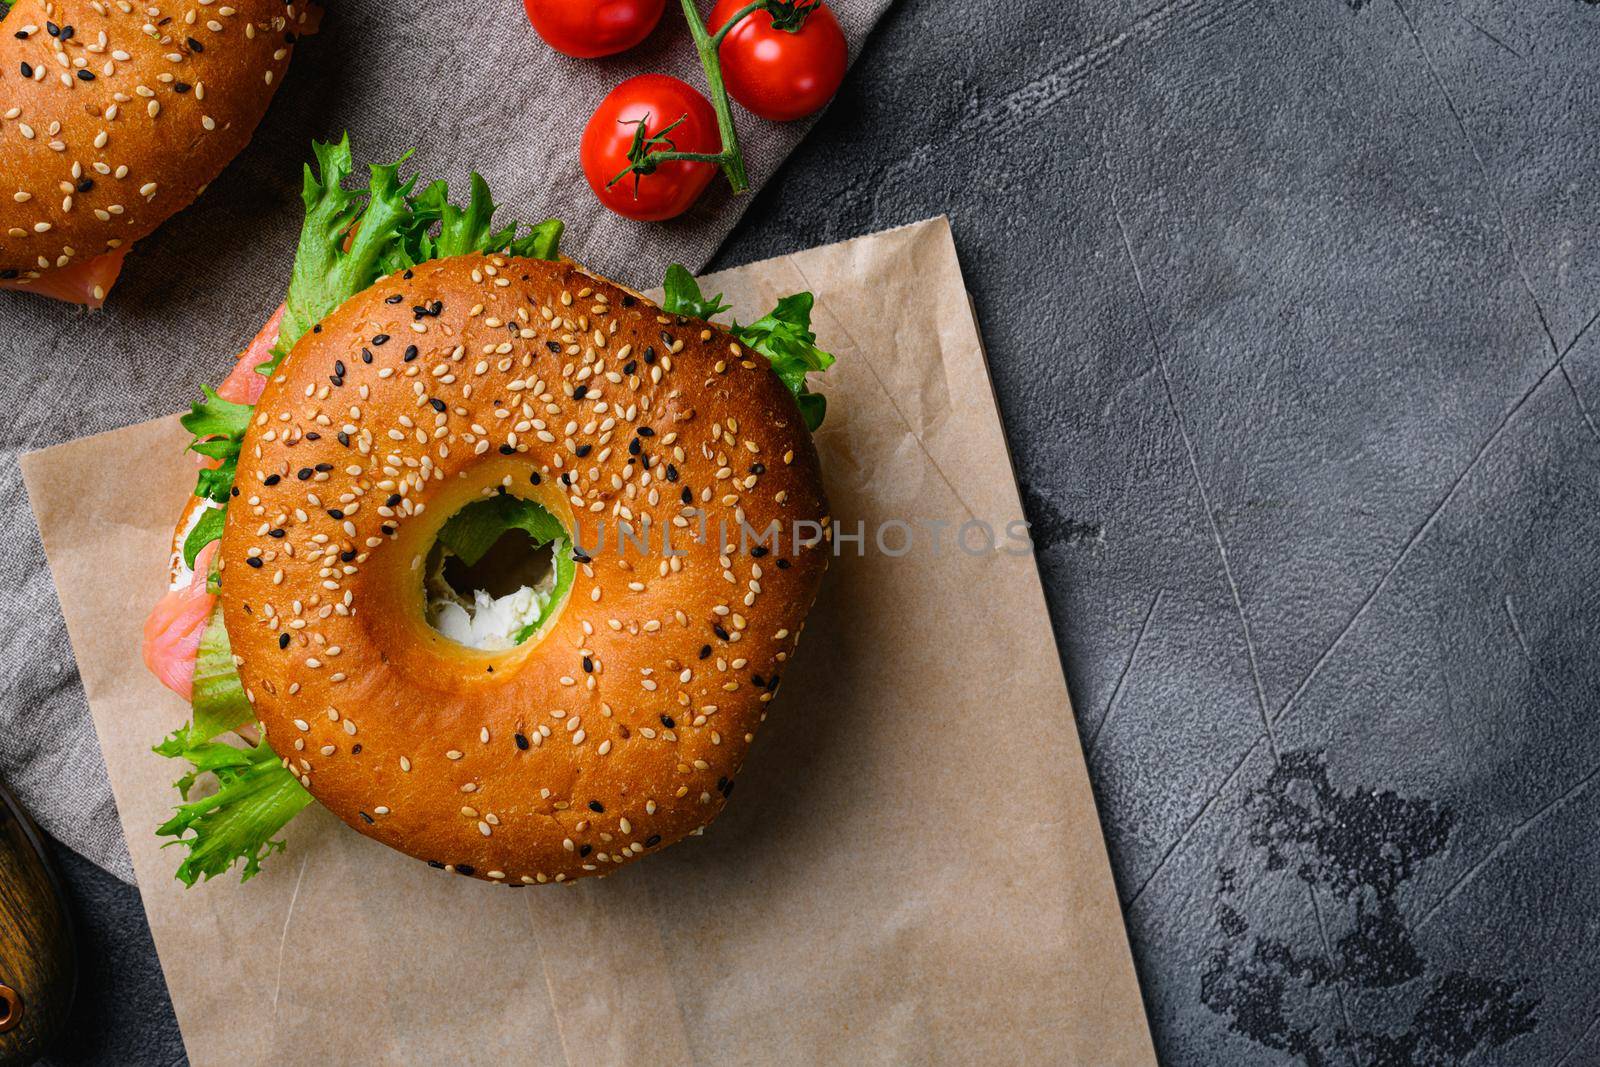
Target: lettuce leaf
x,y
207,530
255,798
256,795
682,296
350,240
218,701
474,529
218,426
783,335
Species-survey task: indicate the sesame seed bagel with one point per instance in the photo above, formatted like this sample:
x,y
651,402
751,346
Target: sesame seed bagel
x,y
621,726
115,115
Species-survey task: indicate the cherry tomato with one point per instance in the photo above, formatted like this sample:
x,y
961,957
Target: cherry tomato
x,y
778,74
658,101
587,29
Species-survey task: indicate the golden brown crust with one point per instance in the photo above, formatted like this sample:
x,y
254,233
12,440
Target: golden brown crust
x,y
115,115
623,727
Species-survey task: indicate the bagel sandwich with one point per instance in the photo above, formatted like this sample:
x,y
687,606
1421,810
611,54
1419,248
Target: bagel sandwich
x,y
497,560
116,115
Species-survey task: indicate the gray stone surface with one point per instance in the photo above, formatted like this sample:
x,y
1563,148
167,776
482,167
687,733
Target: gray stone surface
x,y
1286,308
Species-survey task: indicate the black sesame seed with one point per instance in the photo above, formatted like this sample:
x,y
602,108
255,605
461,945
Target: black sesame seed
x,y
271,479
335,513
759,682
86,75
394,498
633,446
343,438
347,555
283,640
67,32
303,473
667,721
324,467
717,629
580,392
85,185
380,340
628,300
437,405
233,490
436,865
583,450
646,431
705,651
255,562
672,473
367,818
686,496
52,29
366,355
338,368
508,450
584,850
27,71
313,436
522,742
9,273
278,533
408,275
652,841
355,749
758,551
649,355
630,366
534,478
758,468
411,353
181,87
194,44
467,869
554,346
395,299
588,665
783,564
596,806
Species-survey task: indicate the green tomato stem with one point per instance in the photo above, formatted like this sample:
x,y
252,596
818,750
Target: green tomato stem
x,y
731,158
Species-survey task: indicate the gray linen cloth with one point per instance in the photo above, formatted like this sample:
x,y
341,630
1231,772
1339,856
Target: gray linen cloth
x,y
468,86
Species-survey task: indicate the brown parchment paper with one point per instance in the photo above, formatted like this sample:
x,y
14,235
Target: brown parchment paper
x,y
911,872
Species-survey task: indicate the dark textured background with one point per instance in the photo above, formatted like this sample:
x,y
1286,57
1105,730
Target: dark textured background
x,y
1287,309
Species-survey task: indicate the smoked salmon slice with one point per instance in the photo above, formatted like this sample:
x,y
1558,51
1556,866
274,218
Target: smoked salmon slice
x,y
175,625
85,283
244,383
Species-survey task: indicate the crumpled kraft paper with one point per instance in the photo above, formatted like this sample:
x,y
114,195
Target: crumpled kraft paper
x,y
912,870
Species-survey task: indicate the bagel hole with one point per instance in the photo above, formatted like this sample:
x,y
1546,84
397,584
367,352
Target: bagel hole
x,y
509,592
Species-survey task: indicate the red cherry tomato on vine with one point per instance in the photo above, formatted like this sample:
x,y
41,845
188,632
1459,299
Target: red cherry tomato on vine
x,y
776,73
588,29
657,101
